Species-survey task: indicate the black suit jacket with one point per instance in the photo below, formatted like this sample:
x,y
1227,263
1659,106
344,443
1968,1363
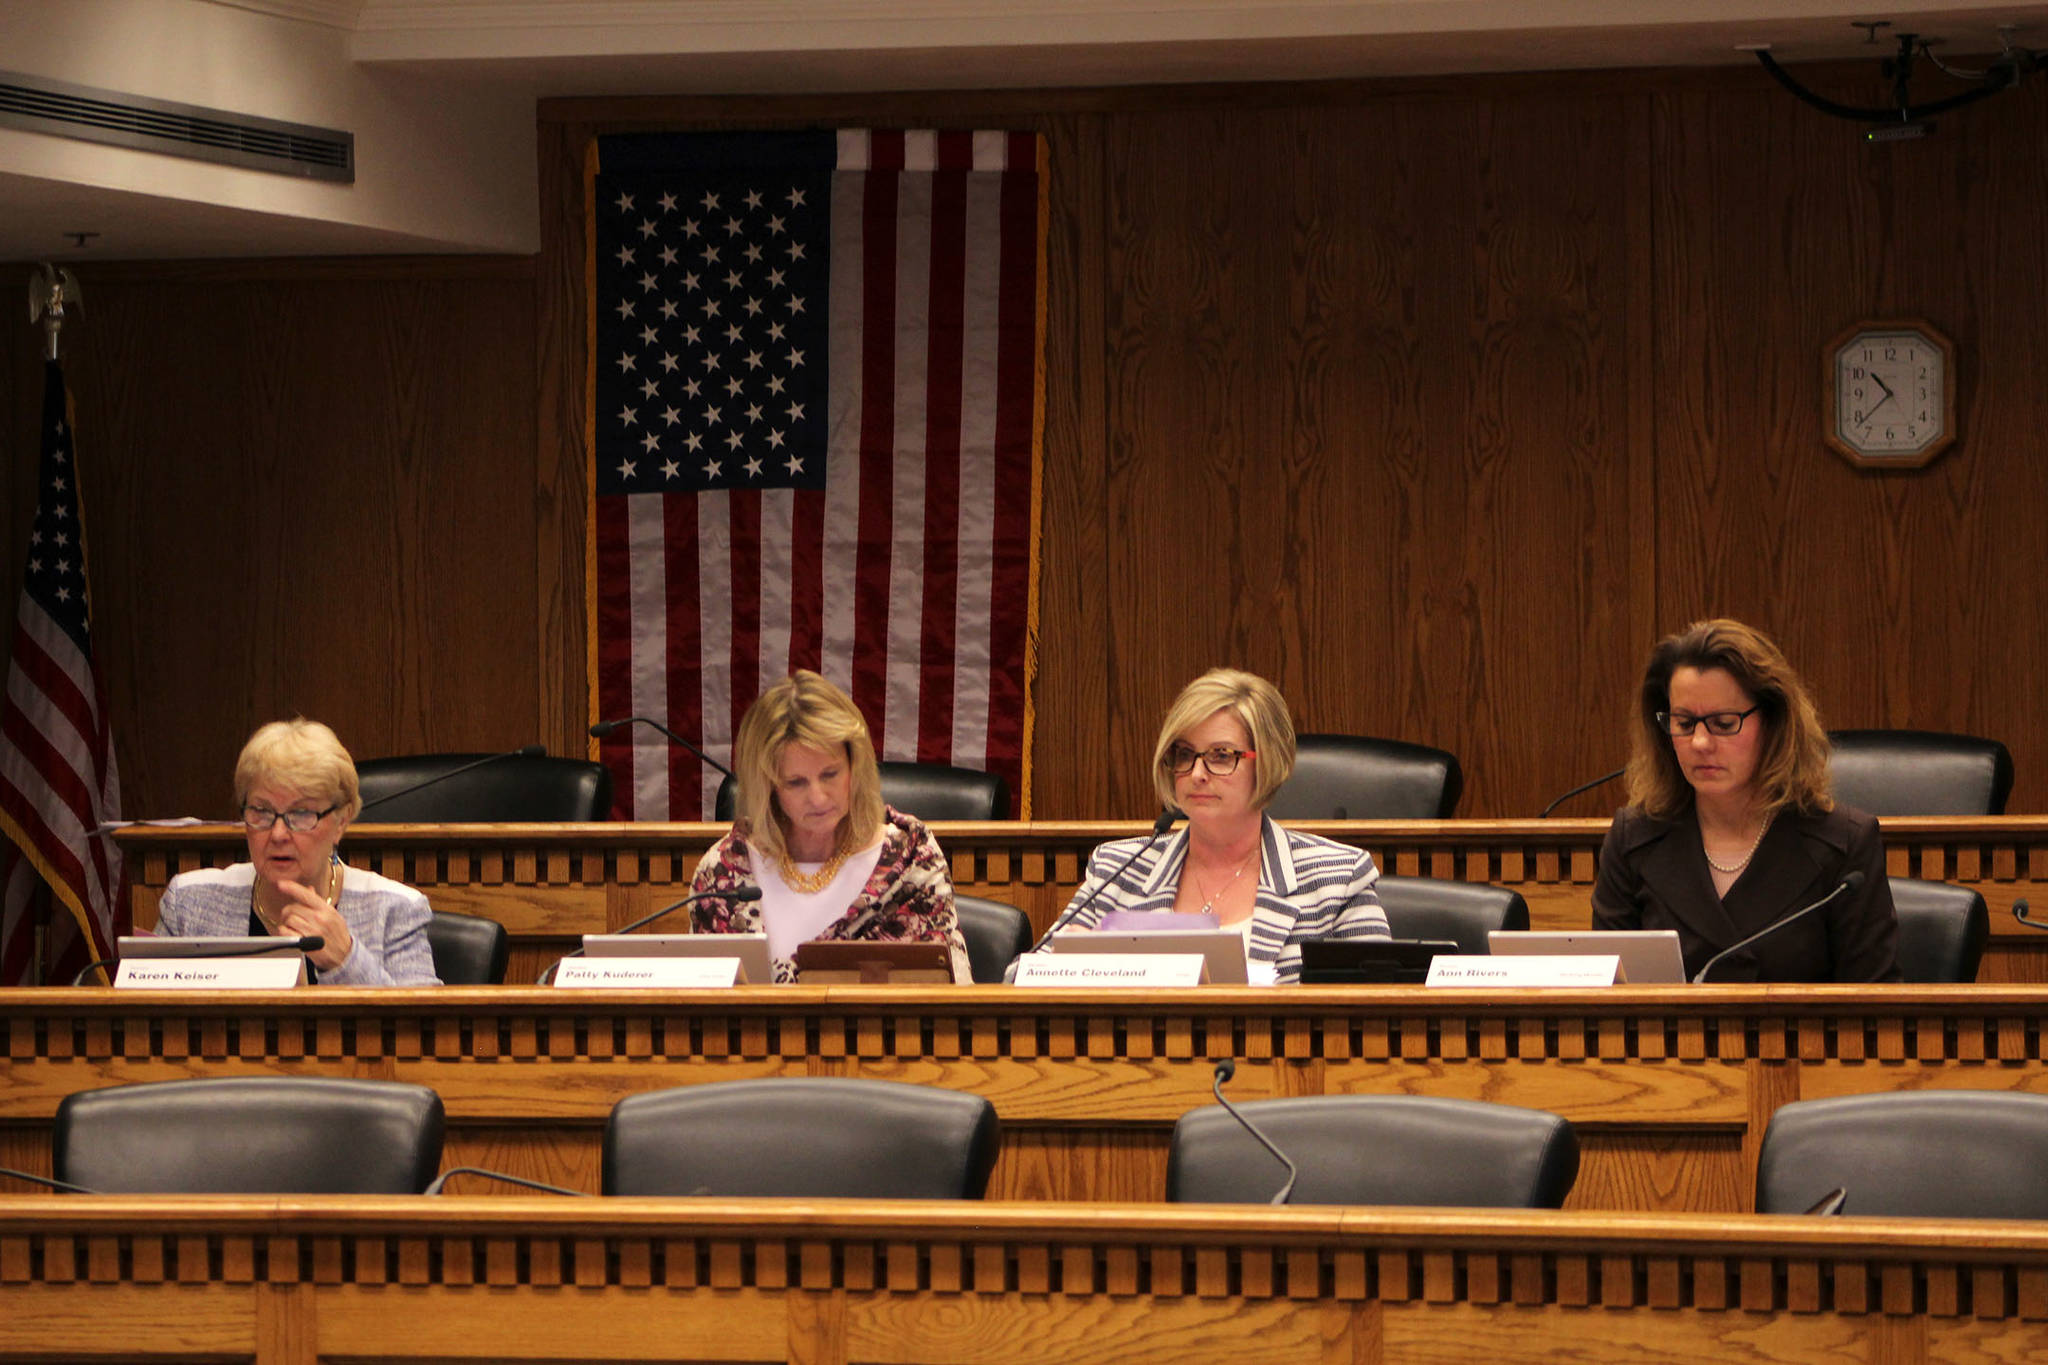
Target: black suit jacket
x,y
1654,875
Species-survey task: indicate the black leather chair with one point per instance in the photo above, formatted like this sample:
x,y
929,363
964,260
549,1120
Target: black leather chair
x,y
250,1135
1432,908
1909,1153
522,789
996,933
1347,777
1920,772
930,791
802,1138
1377,1149
1942,929
469,950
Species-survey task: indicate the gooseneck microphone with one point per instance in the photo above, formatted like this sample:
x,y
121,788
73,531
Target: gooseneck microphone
x,y
309,943
737,894
527,751
64,1186
1226,1069
440,1181
2019,912
605,727
1601,780
1159,827
1848,885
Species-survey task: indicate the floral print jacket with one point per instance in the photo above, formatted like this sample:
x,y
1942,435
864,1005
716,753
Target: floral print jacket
x,y
907,899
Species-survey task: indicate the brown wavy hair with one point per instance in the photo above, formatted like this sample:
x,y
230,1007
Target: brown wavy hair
x,y
804,709
1792,762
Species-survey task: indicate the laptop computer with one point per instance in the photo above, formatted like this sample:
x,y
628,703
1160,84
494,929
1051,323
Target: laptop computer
x,y
1221,950
1649,957
751,949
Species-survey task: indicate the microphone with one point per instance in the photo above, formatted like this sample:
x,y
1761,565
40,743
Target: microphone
x,y
1830,1204
2019,912
1582,787
738,894
1226,1069
1849,883
1159,827
528,751
310,943
605,727
441,1180
64,1185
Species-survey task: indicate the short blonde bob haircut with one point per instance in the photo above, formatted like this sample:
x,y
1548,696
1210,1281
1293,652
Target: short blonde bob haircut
x,y
1792,760
804,709
305,756
1258,706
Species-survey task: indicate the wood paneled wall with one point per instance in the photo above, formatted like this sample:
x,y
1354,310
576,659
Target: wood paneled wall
x,y
308,490
1436,401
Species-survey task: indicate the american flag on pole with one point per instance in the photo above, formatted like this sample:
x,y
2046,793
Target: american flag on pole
x,y
57,778
817,401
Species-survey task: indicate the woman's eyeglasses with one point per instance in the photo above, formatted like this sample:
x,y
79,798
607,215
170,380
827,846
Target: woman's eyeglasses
x,y
1221,761
1720,724
300,821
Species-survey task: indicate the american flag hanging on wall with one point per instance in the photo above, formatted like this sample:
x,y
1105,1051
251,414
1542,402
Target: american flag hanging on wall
x,y
815,432
57,776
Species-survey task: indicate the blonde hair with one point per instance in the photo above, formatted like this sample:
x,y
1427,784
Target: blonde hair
x,y
305,756
1792,760
1256,703
804,709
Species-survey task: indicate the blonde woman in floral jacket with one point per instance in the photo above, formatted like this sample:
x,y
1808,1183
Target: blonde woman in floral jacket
x,y
831,860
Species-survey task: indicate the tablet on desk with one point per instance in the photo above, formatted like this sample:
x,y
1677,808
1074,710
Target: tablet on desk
x,y
1221,950
751,949
1370,961
1649,957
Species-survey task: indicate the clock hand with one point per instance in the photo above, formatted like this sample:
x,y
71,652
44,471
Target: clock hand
x,y
1878,380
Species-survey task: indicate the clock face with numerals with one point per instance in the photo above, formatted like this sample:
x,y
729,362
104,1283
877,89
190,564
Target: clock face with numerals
x,y
1891,394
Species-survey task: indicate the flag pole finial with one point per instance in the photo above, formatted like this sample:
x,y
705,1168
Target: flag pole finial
x,y
50,291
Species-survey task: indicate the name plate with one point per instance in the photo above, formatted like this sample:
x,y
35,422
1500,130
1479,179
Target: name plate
x,y
641,973
1561,969
1110,969
211,973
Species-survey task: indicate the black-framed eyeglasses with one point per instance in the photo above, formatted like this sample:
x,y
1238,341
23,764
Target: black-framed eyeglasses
x,y
298,821
1720,724
1221,761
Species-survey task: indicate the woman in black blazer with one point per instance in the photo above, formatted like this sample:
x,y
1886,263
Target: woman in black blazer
x,y
1730,826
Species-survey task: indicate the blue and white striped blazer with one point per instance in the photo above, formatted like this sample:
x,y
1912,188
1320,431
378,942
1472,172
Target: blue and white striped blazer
x,y
1309,887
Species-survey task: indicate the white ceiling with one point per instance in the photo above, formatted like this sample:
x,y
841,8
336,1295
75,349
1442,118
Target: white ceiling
x,y
500,55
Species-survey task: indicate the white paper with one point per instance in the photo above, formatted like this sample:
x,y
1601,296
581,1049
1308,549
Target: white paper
x,y
646,973
209,973
1110,969
1561,969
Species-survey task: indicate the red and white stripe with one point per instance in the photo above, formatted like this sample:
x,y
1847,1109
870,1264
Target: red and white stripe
x,y
906,580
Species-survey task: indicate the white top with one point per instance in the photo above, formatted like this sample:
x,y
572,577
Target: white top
x,y
790,916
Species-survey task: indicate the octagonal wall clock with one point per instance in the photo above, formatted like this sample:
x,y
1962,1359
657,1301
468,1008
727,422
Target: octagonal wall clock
x,y
1891,394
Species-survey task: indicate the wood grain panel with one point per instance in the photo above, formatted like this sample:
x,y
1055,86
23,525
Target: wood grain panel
x,y
309,495
1435,400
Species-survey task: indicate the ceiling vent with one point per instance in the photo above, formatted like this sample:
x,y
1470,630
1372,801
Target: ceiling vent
x,y
76,111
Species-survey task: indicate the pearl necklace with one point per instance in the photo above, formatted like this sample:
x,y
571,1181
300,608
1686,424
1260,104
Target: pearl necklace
x,y
1755,844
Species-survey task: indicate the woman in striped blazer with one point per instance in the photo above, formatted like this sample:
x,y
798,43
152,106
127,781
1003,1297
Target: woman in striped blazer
x,y
1226,746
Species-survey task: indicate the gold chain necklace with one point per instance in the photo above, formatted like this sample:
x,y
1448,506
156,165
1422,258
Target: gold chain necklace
x,y
333,894
1754,845
811,883
1210,903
